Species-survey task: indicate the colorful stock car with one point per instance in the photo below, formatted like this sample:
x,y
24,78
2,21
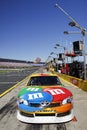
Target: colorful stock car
x,y
44,100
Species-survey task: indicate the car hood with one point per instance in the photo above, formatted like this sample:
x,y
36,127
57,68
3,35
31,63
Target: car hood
x,y
58,92
38,98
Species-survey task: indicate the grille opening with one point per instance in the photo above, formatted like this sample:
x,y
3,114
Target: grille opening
x,y
26,114
46,114
55,104
63,114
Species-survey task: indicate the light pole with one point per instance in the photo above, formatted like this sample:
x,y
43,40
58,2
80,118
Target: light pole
x,y
47,60
56,64
58,45
83,32
54,54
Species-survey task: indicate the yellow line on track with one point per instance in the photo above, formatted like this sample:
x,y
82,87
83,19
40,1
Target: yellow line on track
x,y
14,86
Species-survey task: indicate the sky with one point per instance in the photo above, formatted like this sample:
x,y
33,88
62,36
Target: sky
x,y
31,28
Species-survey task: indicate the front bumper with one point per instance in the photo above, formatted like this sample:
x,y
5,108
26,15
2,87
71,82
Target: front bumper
x,y
49,118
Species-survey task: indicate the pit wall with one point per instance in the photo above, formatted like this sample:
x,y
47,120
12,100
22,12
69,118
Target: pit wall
x,y
82,84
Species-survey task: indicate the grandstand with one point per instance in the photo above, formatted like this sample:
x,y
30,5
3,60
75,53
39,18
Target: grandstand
x,y
10,63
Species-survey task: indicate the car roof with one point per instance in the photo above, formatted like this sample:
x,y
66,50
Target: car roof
x,y
42,74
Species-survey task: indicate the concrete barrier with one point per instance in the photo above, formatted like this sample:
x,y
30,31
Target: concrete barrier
x,y
82,84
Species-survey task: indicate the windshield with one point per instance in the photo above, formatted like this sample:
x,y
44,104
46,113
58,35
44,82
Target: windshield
x,y
44,80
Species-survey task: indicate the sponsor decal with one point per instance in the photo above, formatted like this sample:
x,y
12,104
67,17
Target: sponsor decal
x,y
29,89
37,99
74,81
58,93
47,111
35,96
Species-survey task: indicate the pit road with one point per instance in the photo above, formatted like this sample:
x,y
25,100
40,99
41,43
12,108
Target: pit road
x,y
8,120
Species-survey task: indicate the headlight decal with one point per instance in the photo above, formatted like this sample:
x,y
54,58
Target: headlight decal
x,y
67,100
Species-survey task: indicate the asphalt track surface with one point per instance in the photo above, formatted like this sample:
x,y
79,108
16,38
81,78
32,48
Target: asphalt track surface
x,y
8,107
8,80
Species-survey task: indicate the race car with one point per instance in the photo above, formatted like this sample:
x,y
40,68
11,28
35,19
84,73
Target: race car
x,y
44,100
